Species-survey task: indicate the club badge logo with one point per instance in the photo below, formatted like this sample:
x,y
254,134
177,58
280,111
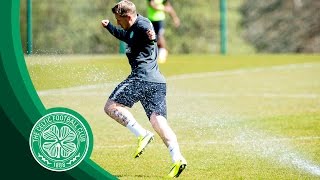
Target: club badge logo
x,y
59,141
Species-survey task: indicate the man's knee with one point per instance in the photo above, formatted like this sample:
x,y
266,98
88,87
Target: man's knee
x,y
109,106
155,119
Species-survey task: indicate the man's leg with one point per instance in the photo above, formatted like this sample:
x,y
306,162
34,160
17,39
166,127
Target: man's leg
x,y
161,126
161,41
163,52
119,113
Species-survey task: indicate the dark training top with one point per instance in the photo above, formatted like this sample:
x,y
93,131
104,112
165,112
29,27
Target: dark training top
x,y
141,51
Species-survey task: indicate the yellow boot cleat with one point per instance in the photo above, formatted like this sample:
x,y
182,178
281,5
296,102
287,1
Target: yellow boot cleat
x,y
177,168
142,143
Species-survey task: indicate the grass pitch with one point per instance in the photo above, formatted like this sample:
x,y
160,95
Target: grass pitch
x,y
236,117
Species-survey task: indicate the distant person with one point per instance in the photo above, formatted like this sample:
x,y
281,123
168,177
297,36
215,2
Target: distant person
x,y
156,13
145,84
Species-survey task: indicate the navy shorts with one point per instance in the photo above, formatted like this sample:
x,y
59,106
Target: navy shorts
x,y
151,95
158,27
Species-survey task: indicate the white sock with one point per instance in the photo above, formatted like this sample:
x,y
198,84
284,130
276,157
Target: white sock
x,y
174,152
163,53
136,128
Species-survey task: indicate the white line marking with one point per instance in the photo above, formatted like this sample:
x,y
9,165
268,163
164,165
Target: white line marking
x,y
198,95
302,138
242,71
262,94
73,89
187,76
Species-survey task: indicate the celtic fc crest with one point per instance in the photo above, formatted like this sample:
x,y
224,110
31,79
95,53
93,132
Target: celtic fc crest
x,y
59,141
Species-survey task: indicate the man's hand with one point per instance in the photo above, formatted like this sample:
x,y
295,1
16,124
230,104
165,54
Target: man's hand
x,y
151,34
169,9
105,22
176,21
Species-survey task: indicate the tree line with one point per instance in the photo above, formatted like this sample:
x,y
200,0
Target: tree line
x,y
278,26
73,26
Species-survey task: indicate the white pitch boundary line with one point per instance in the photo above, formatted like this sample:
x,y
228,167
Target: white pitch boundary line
x,y
73,89
302,138
183,76
262,94
199,95
242,71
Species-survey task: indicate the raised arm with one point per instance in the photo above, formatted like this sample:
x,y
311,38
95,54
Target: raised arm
x,y
116,32
170,10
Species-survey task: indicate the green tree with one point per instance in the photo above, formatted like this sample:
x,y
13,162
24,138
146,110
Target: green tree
x,y
278,26
73,26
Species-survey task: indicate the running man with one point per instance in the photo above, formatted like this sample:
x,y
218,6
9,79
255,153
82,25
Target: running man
x,y
145,84
156,13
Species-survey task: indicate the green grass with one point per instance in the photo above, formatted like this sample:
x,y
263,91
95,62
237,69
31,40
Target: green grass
x,y
236,117
68,71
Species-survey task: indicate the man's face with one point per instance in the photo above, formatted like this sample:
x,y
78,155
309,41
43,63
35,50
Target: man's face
x,y
123,21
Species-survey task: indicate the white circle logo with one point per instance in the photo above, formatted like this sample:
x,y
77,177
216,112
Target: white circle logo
x,y
59,141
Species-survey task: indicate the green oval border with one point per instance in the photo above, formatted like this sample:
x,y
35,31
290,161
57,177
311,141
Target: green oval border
x,y
21,107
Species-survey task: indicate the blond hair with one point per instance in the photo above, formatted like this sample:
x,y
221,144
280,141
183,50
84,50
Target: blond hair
x,y
124,8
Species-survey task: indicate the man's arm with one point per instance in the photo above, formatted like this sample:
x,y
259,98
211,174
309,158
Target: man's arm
x,y
151,35
170,10
116,32
147,33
